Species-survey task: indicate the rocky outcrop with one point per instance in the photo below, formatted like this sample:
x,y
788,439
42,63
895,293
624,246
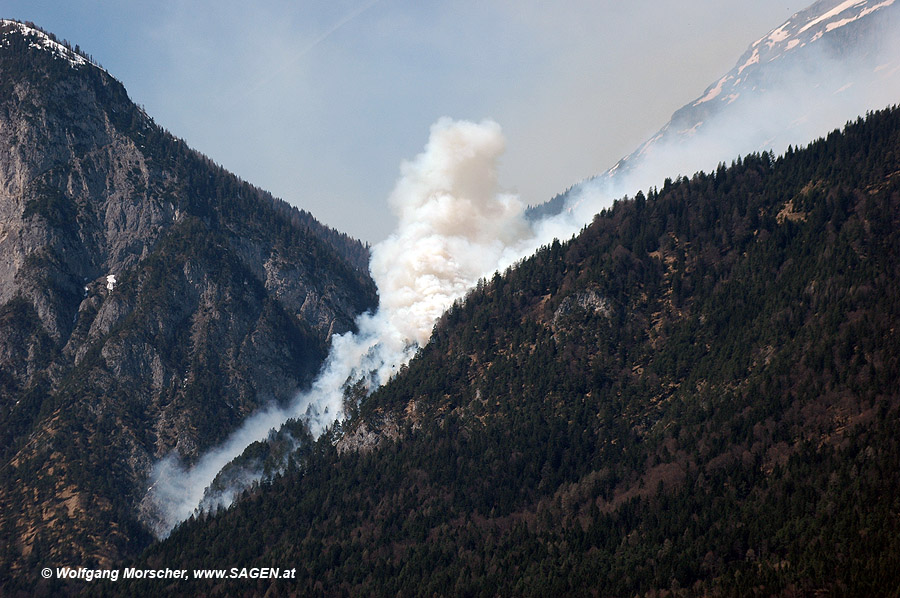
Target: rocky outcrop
x,y
577,305
149,301
363,439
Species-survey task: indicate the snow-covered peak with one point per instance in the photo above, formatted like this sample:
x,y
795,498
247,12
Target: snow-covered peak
x,y
40,40
802,29
827,64
809,25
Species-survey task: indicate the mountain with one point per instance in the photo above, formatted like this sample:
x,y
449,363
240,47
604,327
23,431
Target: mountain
x,y
825,65
849,36
149,301
697,395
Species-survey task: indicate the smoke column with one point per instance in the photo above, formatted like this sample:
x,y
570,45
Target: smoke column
x,y
455,227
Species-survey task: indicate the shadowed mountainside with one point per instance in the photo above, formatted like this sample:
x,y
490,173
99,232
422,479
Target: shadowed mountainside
x,y
149,301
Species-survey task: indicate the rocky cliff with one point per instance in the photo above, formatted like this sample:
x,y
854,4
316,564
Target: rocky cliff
x,y
149,301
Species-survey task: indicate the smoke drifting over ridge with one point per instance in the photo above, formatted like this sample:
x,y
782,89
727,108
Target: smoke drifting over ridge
x,y
456,226
799,82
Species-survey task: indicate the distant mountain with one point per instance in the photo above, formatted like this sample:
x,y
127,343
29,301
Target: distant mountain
x,y
699,395
149,301
825,65
846,35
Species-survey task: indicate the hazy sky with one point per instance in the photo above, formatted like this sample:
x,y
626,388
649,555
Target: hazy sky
x,y
319,101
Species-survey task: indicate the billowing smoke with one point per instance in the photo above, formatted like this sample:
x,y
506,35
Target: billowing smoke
x,y
455,227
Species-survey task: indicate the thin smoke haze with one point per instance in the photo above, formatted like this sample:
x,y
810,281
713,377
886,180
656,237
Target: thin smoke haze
x,y
456,226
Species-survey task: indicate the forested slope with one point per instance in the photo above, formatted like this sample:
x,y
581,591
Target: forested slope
x,y
698,394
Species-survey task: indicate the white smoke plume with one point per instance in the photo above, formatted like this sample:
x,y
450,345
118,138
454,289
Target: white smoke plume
x,y
455,226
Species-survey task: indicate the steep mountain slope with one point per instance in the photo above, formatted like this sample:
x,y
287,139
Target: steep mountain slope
x,y
825,65
836,46
149,300
698,395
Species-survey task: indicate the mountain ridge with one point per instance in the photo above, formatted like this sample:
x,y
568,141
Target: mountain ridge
x,y
149,301
824,66
827,22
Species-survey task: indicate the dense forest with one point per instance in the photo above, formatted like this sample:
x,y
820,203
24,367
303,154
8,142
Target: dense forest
x,y
697,395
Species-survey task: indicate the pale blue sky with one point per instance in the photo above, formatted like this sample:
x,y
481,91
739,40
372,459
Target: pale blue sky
x,y
319,101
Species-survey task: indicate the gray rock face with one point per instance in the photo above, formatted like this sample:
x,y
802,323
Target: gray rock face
x,y
364,440
588,300
573,309
149,301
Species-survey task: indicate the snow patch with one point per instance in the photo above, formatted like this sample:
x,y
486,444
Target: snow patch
x,y
791,45
111,282
841,23
715,91
754,59
832,13
872,9
836,24
649,145
779,35
692,130
42,41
